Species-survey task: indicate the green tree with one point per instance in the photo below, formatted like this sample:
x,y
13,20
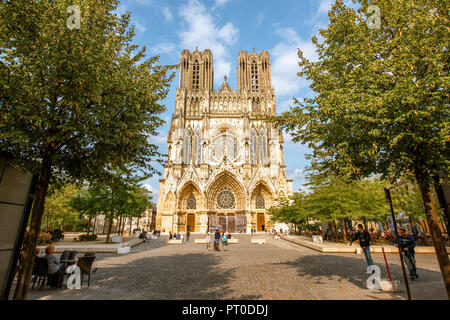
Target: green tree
x,y
381,103
78,102
58,211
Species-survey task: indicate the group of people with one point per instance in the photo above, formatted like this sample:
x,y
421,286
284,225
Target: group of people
x,y
218,239
405,242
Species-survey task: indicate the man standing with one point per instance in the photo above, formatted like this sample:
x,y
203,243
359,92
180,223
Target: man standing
x,y
217,240
364,241
407,244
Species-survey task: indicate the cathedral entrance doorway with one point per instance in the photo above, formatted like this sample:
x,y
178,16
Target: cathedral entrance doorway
x,y
260,220
227,224
190,222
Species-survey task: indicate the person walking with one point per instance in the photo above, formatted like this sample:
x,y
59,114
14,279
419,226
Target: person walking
x,y
364,241
407,244
217,240
224,240
188,235
208,240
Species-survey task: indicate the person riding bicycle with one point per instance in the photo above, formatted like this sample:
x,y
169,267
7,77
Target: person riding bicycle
x,y
407,244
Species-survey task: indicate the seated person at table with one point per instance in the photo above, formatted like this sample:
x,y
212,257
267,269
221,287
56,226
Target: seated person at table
x,y
55,269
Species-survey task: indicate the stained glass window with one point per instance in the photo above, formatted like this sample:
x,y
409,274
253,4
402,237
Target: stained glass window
x,y
191,202
253,142
263,146
187,147
260,203
225,199
197,148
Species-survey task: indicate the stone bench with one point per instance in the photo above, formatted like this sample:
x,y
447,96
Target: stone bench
x,y
317,239
259,241
230,241
176,241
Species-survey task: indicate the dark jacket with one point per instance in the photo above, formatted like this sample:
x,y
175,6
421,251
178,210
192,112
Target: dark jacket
x,y
363,237
407,242
217,235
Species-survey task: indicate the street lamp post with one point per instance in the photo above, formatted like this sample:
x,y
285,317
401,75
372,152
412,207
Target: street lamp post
x,y
389,200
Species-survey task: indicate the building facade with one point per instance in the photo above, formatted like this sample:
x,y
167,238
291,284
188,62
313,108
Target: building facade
x,y
225,165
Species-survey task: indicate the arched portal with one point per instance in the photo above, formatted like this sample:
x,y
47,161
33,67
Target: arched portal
x,y
225,199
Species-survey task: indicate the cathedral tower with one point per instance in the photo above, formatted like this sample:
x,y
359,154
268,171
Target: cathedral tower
x,y
225,165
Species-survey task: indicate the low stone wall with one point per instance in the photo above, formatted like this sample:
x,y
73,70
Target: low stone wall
x,y
259,241
176,241
95,248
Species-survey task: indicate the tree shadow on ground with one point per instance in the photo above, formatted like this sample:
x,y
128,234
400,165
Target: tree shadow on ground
x,y
174,277
324,268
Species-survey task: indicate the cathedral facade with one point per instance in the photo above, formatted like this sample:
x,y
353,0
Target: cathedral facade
x,y
225,165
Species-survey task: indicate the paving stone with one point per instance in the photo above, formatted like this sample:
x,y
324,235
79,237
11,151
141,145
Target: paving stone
x,y
276,270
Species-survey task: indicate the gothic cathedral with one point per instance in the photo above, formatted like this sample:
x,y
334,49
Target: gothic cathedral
x,y
225,165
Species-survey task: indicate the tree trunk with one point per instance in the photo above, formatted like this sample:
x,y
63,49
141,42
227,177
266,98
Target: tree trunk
x,y
442,192
123,226
89,226
436,235
109,228
345,229
31,237
131,224
120,224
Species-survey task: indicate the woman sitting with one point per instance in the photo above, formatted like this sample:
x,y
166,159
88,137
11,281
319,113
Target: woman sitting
x,y
55,269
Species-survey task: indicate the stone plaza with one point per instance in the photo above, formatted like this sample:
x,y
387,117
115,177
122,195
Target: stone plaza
x,y
278,269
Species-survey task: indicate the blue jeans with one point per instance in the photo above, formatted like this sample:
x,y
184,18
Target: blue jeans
x,y
367,255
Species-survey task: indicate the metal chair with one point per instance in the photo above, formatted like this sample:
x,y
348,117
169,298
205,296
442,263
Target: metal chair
x,y
64,256
40,271
85,265
71,256
89,254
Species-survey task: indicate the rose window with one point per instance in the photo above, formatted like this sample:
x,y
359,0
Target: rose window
x,y
225,199
225,147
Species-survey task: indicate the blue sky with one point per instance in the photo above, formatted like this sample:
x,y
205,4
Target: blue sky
x,y
226,27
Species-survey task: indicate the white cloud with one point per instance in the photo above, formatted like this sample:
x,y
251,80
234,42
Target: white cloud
x,y
219,3
139,27
148,187
167,14
285,62
163,48
260,18
203,31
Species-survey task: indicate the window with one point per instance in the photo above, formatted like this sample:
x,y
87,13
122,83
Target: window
x,y
225,146
225,199
187,147
195,75
254,76
191,202
253,143
260,203
263,146
197,148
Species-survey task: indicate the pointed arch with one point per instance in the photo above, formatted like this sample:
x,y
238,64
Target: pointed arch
x,y
261,190
169,201
225,180
186,192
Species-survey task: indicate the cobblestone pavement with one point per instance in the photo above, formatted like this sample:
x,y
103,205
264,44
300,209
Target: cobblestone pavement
x,y
275,270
